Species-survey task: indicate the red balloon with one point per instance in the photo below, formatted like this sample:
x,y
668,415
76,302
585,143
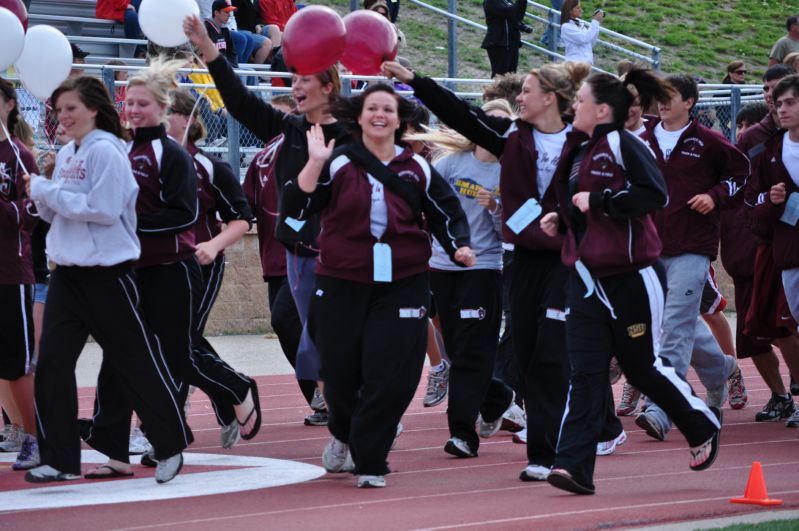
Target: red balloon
x,y
371,39
313,40
18,8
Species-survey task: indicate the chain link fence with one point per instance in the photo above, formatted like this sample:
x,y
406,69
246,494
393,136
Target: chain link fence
x,y
717,108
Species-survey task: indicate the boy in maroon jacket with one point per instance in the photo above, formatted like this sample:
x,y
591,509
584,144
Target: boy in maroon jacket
x,y
703,172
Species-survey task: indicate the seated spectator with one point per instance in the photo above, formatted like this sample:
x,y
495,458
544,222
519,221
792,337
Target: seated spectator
x,y
736,73
258,47
218,31
119,91
786,44
123,11
276,12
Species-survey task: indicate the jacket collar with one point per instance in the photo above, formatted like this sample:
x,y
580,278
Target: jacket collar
x,y
144,134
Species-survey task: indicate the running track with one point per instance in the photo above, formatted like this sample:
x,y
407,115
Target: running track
x,y
646,482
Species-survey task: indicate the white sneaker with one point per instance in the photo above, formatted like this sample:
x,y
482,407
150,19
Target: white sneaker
x,y
535,473
487,429
336,457
168,468
608,447
318,401
514,419
28,456
371,482
138,442
520,437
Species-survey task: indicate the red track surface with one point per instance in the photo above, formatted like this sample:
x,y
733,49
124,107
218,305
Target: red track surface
x,y
644,482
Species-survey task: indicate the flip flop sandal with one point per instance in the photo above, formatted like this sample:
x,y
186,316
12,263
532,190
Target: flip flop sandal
x,y
256,410
113,473
711,446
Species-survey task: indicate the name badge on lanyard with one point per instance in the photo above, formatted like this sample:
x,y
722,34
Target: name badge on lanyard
x,y
585,276
382,262
791,213
524,216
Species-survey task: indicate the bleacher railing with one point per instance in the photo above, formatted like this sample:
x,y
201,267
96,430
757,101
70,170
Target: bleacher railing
x,y
717,107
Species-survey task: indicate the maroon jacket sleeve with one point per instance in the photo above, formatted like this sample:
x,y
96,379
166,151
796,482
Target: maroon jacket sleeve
x,y
734,171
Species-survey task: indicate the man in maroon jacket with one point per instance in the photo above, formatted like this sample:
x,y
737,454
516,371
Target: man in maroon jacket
x,y
739,246
703,173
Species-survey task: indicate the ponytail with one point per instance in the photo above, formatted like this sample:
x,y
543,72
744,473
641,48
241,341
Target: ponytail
x,y
619,94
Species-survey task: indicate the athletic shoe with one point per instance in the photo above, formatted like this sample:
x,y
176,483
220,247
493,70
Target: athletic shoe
x,y
794,387
138,442
514,419
168,468
6,432
739,396
229,435
437,386
520,437
317,418
46,473
563,480
336,457
535,473
778,407
318,401
651,425
397,433
608,447
717,397
615,370
149,459
459,448
488,429
371,482
13,442
793,420
629,400
28,456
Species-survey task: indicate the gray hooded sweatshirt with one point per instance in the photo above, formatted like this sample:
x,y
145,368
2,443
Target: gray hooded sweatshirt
x,y
90,203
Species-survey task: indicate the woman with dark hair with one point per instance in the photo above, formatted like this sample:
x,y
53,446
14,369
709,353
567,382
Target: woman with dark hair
x,y
528,149
579,38
91,206
313,95
17,221
736,73
608,184
372,290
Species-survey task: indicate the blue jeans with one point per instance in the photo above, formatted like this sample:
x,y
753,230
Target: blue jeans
x,y
301,272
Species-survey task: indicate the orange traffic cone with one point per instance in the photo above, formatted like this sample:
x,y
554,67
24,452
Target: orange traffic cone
x,y
756,493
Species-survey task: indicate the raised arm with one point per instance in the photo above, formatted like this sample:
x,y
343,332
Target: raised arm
x,y
469,120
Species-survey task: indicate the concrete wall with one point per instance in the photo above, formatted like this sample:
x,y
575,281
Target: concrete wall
x,y
242,306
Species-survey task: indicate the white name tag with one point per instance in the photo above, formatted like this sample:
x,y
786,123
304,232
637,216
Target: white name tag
x,y
382,262
524,216
478,313
791,213
585,276
557,315
295,224
412,313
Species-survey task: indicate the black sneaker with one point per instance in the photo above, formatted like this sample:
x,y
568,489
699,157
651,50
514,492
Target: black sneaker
x,y
317,418
778,407
794,387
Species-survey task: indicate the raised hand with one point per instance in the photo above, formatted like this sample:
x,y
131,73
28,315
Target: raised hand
x,y
397,71
317,149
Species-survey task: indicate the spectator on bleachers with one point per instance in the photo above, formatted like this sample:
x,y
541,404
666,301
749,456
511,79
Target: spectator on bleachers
x,y
259,47
381,7
792,60
119,91
736,73
276,12
79,58
786,44
125,12
218,31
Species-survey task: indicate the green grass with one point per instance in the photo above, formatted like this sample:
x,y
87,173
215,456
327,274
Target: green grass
x,y
772,525
696,36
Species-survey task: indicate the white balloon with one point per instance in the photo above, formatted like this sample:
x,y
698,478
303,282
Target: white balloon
x,y
45,62
162,20
12,38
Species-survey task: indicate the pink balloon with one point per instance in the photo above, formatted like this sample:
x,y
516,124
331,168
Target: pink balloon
x,y
18,8
371,39
313,40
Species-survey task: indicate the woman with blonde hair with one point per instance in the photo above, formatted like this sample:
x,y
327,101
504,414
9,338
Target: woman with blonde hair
x,y
468,300
528,148
168,278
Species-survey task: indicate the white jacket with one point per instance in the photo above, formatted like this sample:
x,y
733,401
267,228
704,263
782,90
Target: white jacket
x,y
579,40
90,203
